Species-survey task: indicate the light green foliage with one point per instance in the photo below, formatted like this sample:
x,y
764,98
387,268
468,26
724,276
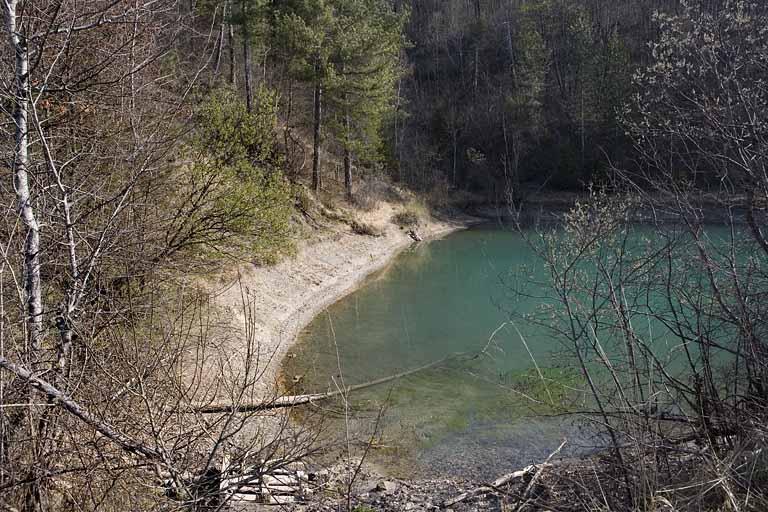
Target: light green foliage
x,y
551,389
229,134
235,196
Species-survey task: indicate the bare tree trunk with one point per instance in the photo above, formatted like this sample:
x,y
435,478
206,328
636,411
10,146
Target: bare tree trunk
x,y
583,137
510,189
74,290
32,285
347,157
220,44
454,135
231,38
398,147
33,302
477,71
247,65
318,117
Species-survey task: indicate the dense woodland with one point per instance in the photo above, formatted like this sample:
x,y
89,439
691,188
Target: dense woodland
x,y
521,95
145,142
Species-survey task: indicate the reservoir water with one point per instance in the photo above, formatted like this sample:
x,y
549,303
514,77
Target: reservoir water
x,y
485,411
436,299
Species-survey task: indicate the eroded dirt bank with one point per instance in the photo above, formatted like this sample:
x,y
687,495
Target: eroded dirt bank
x,y
274,303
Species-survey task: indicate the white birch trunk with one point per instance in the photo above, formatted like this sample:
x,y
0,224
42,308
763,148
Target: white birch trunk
x,y
32,285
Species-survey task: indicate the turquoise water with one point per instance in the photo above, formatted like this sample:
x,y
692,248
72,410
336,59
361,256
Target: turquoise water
x,y
477,414
437,299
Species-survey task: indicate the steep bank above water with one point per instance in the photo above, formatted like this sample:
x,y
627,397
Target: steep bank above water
x,y
284,298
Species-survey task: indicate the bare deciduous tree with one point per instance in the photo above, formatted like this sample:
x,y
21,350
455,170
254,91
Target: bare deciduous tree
x,y
667,319
104,350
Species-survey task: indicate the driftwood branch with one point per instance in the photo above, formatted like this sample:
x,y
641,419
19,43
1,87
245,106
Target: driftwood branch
x,y
524,498
70,405
294,400
537,469
503,480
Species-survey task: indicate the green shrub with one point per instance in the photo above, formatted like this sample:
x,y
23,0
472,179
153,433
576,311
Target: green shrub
x,y
227,132
233,196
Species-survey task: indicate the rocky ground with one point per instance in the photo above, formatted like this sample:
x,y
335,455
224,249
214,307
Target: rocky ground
x,y
355,487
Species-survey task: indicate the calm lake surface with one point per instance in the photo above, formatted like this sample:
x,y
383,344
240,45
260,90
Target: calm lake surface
x,y
439,298
469,416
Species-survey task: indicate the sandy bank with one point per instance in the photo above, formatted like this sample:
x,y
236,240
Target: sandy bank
x,y
284,298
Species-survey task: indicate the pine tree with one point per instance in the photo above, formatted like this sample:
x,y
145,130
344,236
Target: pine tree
x,y
251,17
366,67
307,30
348,50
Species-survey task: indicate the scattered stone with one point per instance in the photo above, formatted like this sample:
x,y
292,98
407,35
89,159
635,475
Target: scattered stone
x,y
280,480
386,487
321,475
369,487
281,500
414,235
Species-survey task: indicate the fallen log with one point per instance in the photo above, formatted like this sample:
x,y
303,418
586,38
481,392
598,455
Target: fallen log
x,y
503,480
528,488
295,400
537,469
414,235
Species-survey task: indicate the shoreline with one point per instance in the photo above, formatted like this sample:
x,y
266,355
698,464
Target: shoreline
x,y
343,285
285,298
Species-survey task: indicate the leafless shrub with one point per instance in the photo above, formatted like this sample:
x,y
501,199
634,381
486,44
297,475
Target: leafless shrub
x,y
104,351
667,320
373,190
406,218
364,228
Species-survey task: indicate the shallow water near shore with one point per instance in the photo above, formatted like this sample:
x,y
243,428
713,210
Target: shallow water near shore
x,y
483,410
439,299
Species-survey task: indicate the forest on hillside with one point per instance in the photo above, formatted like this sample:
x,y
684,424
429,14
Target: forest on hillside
x,y
522,95
147,144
